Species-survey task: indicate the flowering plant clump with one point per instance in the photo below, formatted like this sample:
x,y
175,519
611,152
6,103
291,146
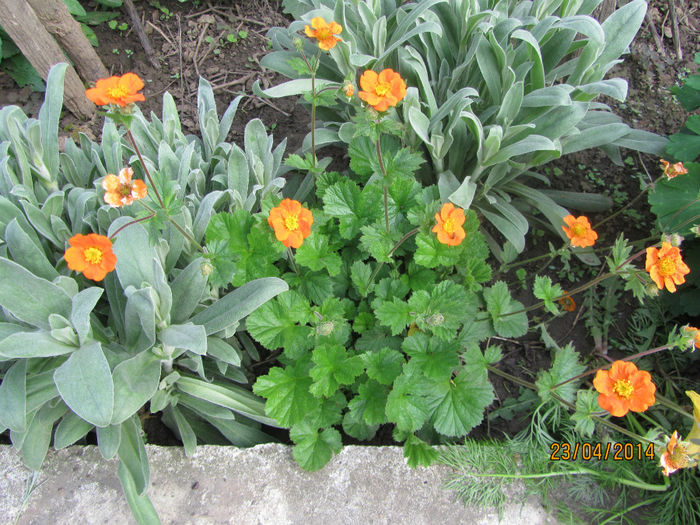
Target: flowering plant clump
x,y
665,266
449,225
623,388
120,190
382,90
119,90
291,222
92,255
579,231
673,170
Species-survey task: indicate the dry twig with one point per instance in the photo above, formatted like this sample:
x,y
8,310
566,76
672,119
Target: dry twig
x,y
674,30
138,27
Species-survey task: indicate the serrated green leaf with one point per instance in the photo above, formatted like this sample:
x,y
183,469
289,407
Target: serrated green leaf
x,y
342,200
360,274
431,253
407,404
459,403
333,367
500,305
370,401
354,425
418,452
586,406
313,450
315,253
544,290
377,241
431,357
287,393
282,323
564,367
383,366
395,314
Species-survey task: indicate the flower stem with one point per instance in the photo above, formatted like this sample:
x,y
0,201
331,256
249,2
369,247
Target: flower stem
x,y
130,223
179,228
396,247
630,203
386,190
673,406
293,261
627,358
145,169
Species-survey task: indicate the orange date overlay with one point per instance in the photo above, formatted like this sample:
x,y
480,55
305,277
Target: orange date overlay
x,y
600,451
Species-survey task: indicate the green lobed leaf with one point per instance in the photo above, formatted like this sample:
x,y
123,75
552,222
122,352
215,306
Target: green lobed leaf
x,y
332,368
283,323
500,305
544,290
395,314
370,401
459,403
287,394
674,202
383,366
564,367
431,357
315,253
407,404
314,449
418,452
586,406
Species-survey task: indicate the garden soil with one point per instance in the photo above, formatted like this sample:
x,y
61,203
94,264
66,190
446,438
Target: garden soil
x,y
191,39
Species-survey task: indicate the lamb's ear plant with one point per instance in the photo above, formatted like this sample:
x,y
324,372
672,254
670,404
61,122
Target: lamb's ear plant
x,y
500,88
143,329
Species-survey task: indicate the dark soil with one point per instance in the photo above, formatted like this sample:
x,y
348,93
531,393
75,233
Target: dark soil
x,y
188,44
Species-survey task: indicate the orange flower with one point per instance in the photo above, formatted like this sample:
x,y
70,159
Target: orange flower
x,y
121,190
92,255
666,267
624,388
567,302
291,222
349,90
675,456
324,32
695,333
382,90
449,225
117,90
579,231
673,170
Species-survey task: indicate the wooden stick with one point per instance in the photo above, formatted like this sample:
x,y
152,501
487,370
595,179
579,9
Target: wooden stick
x,y
674,30
145,43
56,18
657,39
23,26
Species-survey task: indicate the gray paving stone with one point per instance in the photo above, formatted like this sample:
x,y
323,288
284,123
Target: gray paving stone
x,y
261,485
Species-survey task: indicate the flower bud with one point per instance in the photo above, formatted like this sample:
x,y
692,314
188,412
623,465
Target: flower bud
x,y
696,230
676,239
206,268
435,319
652,290
298,43
325,328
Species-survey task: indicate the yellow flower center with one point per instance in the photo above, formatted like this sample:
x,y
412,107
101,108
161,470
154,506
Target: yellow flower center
x,y
117,92
93,255
579,230
667,266
291,222
448,226
623,388
382,88
324,33
125,190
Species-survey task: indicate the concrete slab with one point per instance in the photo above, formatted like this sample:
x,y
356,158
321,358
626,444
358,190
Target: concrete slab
x,y
257,486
